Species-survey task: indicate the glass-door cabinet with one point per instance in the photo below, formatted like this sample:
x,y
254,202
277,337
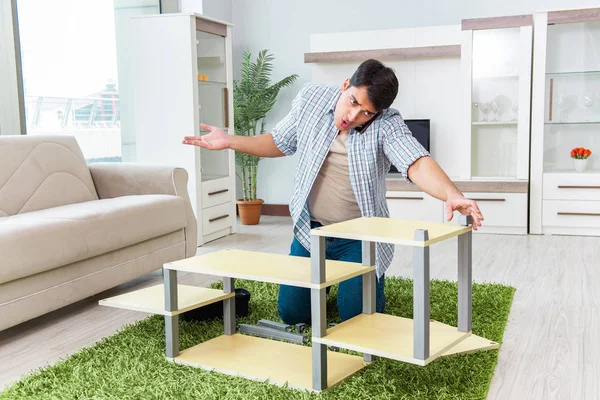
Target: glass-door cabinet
x,y
496,75
565,178
183,77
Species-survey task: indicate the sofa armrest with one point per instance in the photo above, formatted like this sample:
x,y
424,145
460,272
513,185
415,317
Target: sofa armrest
x,y
124,179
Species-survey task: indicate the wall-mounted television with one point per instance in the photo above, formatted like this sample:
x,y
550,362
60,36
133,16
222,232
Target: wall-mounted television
x,y
420,129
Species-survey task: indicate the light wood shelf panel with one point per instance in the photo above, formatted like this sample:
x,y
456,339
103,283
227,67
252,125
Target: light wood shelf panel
x,y
384,54
152,299
471,344
490,186
390,230
263,359
267,267
391,337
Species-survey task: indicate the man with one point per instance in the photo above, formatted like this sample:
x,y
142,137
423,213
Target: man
x,y
345,140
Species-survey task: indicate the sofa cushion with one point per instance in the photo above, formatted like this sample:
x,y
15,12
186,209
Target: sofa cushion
x,y
42,171
42,240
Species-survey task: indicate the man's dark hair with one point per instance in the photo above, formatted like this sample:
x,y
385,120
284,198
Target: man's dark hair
x,y
380,81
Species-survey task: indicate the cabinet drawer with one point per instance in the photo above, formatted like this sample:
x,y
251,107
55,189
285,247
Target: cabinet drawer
x,y
574,214
216,218
216,191
501,209
571,186
415,206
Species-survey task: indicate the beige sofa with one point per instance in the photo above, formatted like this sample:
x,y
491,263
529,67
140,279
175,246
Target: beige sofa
x,y
69,230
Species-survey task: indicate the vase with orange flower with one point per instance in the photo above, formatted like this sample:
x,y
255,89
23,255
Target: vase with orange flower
x,y
580,156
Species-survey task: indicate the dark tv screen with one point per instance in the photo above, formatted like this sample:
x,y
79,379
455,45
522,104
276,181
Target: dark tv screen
x,y
420,131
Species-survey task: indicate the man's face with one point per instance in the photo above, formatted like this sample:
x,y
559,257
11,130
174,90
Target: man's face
x,y
353,107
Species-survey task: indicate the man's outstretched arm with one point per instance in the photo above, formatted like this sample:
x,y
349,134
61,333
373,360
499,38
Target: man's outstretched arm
x,y
260,145
429,176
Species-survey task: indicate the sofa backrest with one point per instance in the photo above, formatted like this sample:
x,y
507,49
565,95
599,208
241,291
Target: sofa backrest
x,y
42,171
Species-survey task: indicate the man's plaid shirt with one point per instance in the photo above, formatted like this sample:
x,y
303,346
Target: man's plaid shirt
x,y
309,129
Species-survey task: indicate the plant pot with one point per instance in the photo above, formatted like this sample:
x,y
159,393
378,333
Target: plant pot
x,y
250,211
580,164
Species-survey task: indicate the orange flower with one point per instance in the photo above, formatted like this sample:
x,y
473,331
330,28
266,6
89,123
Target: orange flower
x,y
580,153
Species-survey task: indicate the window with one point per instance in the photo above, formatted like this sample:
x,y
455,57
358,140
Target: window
x,y
70,84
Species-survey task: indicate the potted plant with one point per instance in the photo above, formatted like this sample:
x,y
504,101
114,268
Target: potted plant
x,y
580,157
253,97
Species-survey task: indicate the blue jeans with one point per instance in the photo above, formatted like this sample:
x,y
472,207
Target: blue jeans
x,y
294,302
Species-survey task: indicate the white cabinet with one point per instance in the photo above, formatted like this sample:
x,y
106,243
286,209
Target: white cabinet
x,y
417,206
503,204
565,115
183,77
503,212
571,204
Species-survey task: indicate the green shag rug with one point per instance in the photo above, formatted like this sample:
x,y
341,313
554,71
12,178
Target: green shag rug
x,y
131,364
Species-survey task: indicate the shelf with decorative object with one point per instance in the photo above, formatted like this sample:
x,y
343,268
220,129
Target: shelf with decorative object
x,y
565,116
183,76
496,97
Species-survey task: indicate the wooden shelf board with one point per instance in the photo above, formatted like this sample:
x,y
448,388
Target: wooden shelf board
x,y
384,54
511,21
152,299
267,267
390,337
264,359
391,230
491,186
471,344
570,16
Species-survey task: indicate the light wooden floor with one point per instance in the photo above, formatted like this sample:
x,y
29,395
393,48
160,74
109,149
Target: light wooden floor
x,y
551,345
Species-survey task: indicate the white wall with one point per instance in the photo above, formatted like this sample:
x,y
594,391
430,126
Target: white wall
x,y
285,28
218,9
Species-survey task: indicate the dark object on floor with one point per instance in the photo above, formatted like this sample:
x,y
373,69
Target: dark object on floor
x,y
215,310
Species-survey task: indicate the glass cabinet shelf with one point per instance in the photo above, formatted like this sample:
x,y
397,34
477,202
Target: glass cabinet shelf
x,y
573,123
493,77
488,123
209,83
572,73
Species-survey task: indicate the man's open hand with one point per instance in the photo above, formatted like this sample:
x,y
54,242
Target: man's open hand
x,y
216,139
464,206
